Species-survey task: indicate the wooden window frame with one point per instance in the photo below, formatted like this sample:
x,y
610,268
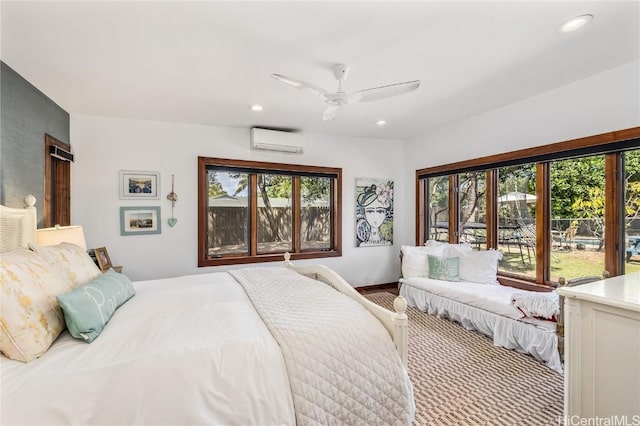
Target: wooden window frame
x,y
253,167
610,144
57,185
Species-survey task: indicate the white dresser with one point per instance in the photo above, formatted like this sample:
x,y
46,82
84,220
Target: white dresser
x,y
602,348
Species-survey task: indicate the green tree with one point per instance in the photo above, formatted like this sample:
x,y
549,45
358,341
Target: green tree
x,y
573,181
632,183
579,190
215,187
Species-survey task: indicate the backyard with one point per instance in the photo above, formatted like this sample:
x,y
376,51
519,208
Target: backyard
x,y
569,264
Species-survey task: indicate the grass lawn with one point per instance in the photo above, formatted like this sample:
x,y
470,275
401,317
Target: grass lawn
x,y
567,263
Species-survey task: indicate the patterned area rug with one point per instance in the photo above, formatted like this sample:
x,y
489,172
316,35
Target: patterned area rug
x,y
460,378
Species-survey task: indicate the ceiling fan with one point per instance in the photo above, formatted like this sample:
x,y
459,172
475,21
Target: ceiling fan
x,y
340,98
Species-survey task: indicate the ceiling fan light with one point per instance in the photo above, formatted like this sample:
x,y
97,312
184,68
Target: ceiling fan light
x,y
381,123
575,23
256,107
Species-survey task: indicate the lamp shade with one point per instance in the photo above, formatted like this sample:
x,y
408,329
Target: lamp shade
x,y
61,234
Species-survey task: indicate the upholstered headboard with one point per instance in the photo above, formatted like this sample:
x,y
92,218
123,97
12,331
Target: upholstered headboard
x,y
18,226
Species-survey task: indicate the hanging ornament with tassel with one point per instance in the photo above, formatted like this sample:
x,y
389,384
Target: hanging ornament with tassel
x,y
173,197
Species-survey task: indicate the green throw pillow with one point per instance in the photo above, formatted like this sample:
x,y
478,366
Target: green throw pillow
x,y
88,308
444,268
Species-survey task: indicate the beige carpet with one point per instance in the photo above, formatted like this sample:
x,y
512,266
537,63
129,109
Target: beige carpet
x,y
460,378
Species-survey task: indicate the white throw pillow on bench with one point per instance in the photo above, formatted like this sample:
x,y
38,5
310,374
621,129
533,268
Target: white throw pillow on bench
x,y
415,259
477,266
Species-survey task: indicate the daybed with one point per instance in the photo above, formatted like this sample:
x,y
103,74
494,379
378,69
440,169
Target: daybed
x,y
270,345
470,294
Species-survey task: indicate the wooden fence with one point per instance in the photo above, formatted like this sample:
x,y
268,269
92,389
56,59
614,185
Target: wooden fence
x,y
229,225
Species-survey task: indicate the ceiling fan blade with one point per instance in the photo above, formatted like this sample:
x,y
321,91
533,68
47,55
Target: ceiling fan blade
x,y
383,92
299,84
330,113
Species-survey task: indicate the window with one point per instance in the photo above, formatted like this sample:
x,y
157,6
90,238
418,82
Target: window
x,y
472,202
255,211
315,213
631,211
568,209
228,213
57,183
438,199
517,219
577,217
275,219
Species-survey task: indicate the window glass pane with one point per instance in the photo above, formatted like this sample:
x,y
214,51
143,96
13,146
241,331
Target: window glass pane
x,y
632,211
577,217
315,213
516,219
472,190
274,213
438,214
228,213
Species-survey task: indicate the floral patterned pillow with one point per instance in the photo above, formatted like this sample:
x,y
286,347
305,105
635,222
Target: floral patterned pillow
x,y
30,318
71,261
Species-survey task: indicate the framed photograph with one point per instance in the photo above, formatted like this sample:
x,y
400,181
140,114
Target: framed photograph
x,y
140,220
102,257
136,185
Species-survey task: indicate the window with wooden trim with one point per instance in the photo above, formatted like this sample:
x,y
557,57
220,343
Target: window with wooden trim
x,y
57,182
255,211
566,209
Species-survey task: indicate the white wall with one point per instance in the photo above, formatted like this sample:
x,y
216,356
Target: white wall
x,y
598,104
103,146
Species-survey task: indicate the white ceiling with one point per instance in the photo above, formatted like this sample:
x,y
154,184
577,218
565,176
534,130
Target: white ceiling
x,y
206,62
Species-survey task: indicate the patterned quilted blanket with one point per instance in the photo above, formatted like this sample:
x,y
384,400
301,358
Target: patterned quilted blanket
x,y
342,365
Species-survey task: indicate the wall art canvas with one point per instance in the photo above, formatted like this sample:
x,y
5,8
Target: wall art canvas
x,y
374,212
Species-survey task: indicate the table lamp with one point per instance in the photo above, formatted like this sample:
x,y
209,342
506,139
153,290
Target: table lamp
x,y
69,234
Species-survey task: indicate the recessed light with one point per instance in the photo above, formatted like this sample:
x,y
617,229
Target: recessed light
x,y
256,107
575,23
380,123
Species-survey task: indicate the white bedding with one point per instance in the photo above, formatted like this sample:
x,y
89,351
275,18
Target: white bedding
x,y
492,298
367,383
487,309
206,359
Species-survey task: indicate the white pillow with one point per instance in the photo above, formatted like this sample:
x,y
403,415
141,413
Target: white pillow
x,y
415,260
73,263
442,245
477,266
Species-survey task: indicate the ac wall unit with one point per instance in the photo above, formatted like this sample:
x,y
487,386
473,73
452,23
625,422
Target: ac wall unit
x,y
60,154
274,140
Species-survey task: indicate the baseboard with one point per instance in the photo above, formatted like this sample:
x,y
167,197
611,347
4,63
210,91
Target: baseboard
x,y
389,287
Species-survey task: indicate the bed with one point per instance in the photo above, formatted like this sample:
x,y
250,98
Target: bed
x,y
484,306
266,345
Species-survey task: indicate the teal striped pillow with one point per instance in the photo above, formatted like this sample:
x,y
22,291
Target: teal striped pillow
x,y
88,308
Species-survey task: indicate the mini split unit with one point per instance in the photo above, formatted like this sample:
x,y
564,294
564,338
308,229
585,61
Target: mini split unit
x,y
275,140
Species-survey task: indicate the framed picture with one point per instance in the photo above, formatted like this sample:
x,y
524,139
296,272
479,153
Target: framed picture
x,y
136,185
374,212
102,257
140,220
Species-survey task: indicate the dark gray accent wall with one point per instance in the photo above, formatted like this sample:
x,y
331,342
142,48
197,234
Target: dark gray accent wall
x,y
26,114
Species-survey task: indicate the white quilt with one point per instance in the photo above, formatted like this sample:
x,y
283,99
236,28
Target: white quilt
x,y
342,364
188,350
